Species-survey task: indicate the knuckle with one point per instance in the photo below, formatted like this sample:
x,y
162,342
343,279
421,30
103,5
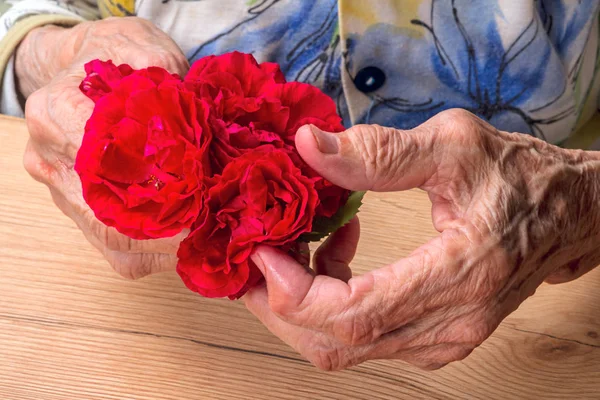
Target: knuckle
x,y
123,25
477,334
35,166
171,61
356,331
455,117
136,21
327,360
288,307
83,26
55,118
126,20
30,162
120,44
434,366
35,109
383,150
462,354
282,307
69,108
470,333
457,353
114,19
461,127
439,358
113,240
160,58
129,266
108,236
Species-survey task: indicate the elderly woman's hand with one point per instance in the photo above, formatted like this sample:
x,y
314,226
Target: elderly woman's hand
x,y
56,112
512,211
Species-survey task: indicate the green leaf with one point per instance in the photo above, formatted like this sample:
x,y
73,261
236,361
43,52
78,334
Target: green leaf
x,y
322,227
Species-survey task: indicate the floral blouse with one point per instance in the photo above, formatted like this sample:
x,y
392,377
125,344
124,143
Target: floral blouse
x,y
526,66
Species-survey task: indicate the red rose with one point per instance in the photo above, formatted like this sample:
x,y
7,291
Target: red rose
x,y
215,153
101,77
261,197
205,267
144,152
235,83
233,75
308,105
255,106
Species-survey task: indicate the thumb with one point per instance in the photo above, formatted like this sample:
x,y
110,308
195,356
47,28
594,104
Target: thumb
x,y
370,157
288,282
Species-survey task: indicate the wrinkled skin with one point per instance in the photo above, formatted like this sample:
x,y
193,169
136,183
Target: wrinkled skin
x,y
56,112
512,212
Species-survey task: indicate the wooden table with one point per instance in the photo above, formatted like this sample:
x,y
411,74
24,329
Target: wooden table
x,y
70,328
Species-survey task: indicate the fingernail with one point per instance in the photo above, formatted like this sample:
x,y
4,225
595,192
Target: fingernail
x,y
326,142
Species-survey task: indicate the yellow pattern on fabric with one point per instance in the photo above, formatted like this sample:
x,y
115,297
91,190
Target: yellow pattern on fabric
x,y
116,8
357,15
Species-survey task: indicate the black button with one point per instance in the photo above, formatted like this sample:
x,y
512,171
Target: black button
x,y
369,79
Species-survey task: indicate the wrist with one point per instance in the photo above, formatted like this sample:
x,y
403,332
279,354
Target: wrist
x,y
574,196
38,58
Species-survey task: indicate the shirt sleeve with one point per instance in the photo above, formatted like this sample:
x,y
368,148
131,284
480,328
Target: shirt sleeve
x,y
16,20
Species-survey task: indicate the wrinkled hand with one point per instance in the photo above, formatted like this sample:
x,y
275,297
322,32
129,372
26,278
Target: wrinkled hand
x,y
56,113
512,211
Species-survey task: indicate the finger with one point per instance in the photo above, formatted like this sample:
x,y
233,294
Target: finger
x,y
288,282
395,298
398,300
107,238
294,292
368,157
333,257
371,157
164,53
371,305
56,116
324,351
36,166
132,259
257,302
138,265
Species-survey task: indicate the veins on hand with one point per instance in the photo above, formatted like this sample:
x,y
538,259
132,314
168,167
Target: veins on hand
x,y
548,214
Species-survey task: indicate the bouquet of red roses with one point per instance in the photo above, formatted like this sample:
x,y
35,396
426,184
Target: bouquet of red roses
x,y
214,153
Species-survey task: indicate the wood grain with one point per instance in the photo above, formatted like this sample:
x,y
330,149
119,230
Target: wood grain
x,y
71,329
